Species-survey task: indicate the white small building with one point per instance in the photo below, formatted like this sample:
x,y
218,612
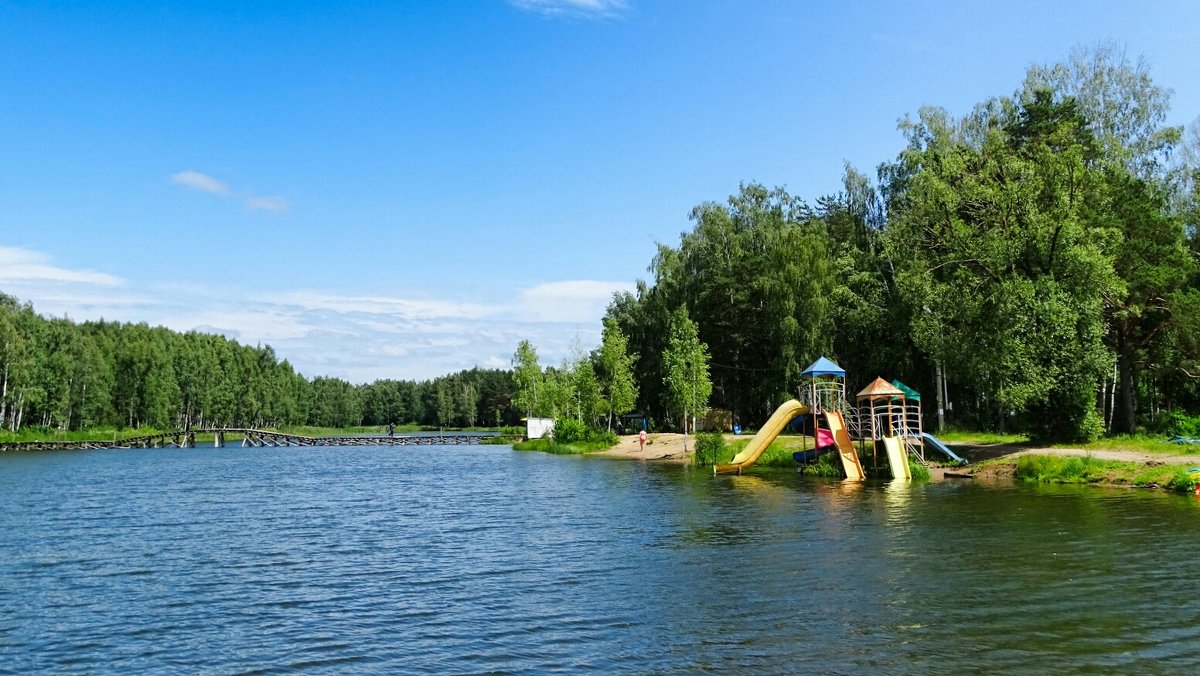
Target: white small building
x,y
536,428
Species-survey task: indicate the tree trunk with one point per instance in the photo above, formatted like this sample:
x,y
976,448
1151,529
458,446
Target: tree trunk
x,y
18,411
4,396
941,406
1124,417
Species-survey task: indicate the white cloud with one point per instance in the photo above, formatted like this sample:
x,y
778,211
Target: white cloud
x,y
575,301
595,9
382,305
271,204
257,325
23,265
199,181
359,337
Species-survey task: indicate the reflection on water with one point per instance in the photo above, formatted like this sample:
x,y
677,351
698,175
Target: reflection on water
x,y
481,559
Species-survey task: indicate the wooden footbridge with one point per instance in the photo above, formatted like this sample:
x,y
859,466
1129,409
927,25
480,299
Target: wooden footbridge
x,y
250,437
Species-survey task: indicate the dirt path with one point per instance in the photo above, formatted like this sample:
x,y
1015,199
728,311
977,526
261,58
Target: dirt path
x,y
978,453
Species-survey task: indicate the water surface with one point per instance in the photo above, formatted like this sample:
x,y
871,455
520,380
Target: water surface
x,y
477,558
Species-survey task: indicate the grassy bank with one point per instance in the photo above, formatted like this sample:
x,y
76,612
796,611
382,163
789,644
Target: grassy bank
x,y
1086,469
551,446
972,438
1146,444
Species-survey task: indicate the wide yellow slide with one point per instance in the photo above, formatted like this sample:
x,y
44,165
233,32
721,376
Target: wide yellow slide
x,y
850,463
897,458
766,434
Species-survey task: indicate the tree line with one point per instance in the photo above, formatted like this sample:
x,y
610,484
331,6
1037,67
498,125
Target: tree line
x,y
596,388
59,374
1035,260
1038,253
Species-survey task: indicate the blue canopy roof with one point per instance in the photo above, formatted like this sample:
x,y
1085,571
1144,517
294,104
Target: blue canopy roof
x,y
824,367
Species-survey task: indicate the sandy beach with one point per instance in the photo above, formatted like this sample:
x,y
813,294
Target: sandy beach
x,y
669,447
665,447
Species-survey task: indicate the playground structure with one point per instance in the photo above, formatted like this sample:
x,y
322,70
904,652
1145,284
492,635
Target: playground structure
x,y
882,407
912,428
885,417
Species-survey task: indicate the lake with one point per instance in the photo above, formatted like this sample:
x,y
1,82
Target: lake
x,y
478,559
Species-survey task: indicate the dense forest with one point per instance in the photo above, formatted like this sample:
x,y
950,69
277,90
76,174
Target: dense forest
x,y
1038,253
59,374
1034,262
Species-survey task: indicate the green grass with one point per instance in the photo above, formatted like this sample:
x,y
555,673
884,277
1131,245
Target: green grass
x,y
827,466
1063,469
1145,444
550,446
955,436
1089,470
778,454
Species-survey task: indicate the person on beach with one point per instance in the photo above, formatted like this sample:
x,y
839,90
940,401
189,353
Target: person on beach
x,y
391,429
642,440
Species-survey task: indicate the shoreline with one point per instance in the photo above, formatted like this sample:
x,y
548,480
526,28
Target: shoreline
x,y
987,462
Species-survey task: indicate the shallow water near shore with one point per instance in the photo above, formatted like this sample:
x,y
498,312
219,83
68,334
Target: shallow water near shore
x,y
470,559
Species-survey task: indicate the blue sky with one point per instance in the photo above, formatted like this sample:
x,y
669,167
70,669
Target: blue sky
x,y
406,189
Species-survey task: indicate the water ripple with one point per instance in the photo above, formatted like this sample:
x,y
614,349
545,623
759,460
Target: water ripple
x,y
263,560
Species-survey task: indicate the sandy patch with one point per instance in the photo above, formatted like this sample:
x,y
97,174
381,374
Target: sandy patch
x,y
665,447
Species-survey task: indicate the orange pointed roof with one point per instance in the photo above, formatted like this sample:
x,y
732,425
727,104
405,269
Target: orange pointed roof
x,y
880,389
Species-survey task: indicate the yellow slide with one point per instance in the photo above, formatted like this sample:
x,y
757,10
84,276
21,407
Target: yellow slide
x,y
766,434
897,458
850,463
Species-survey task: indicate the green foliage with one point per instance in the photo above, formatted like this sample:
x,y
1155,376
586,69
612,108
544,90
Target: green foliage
x,y
618,391
557,448
1184,481
568,431
60,376
527,380
686,364
1072,469
827,466
710,449
604,438
1179,424
588,401
918,471
998,250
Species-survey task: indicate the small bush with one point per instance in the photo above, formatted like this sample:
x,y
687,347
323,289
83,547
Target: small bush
x,y
1183,481
567,431
918,471
710,448
605,437
1180,424
827,465
1073,469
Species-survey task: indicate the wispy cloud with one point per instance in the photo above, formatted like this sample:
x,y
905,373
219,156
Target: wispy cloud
x,y
32,266
359,337
570,301
271,204
590,9
200,181
381,305
196,180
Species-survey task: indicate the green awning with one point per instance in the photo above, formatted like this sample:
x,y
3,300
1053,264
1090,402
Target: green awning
x,y
909,393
